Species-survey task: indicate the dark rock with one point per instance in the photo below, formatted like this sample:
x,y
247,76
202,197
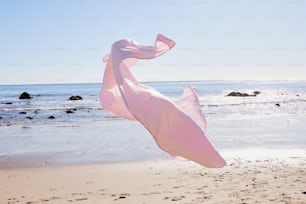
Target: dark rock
x,y
25,95
304,192
1,117
234,93
297,95
256,92
75,98
277,104
30,118
237,93
8,103
69,111
22,112
51,117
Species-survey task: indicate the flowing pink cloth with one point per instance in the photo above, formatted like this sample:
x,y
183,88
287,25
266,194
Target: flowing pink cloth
x,y
178,127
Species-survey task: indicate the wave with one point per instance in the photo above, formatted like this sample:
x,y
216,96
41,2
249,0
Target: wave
x,y
50,108
256,103
52,100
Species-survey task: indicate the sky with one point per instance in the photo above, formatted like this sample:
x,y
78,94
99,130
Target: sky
x,y
64,41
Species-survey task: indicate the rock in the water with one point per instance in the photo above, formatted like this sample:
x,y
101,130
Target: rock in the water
x,y
256,92
237,93
30,118
74,98
25,95
51,117
277,104
8,103
22,112
1,117
69,111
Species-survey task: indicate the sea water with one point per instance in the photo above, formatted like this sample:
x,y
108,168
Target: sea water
x,y
273,119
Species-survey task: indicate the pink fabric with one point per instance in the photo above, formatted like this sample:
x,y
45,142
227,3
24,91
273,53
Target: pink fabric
x,y
178,127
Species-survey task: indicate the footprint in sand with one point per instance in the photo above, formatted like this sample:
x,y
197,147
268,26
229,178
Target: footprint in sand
x,y
80,199
151,193
12,200
55,198
175,198
122,196
74,194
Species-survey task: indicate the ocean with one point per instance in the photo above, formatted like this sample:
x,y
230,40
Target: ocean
x,y
81,132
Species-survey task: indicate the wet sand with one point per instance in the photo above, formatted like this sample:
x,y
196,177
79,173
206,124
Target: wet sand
x,y
160,181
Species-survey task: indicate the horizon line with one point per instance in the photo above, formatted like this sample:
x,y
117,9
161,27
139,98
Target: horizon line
x,y
155,81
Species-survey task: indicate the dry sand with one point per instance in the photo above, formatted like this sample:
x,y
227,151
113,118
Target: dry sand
x,y
170,181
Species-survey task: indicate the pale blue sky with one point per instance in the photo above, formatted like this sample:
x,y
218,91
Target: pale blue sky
x,y
55,41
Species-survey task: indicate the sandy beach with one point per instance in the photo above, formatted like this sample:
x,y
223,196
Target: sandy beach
x,y
160,181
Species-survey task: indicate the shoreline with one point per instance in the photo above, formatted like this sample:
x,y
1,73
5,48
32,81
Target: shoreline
x,y
122,140
57,159
158,181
